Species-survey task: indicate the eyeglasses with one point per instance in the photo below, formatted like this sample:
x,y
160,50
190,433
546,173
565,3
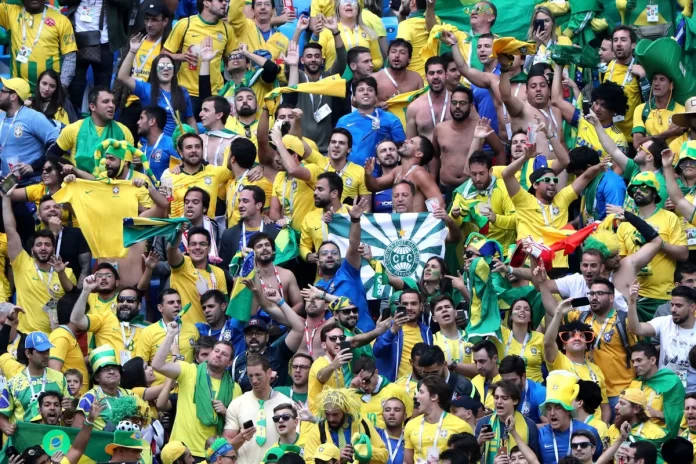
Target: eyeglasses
x,y
48,170
103,275
587,336
598,294
581,445
329,253
548,180
165,66
471,254
127,299
479,9
283,417
348,311
460,103
233,458
641,187
335,338
296,367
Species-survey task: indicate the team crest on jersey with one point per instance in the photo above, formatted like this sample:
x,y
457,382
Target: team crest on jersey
x,y
294,185
443,433
240,187
56,287
467,349
208,180
555,210
533,350
227,336
219,36
157,156
192,342
608,335
364,35
116,190
18,130
349,182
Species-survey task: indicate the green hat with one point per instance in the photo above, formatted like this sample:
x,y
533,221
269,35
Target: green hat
x,y
340,303
362,447
645,178
101,357
131,439
664,56
687,150
586,57
123,151
277,452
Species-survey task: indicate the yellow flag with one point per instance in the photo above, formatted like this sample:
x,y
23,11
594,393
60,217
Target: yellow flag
x,y
397,104
331,86
512,46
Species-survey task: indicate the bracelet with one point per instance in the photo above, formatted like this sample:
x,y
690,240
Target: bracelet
x,y
509,270
354,220
88,423
336,33
281,302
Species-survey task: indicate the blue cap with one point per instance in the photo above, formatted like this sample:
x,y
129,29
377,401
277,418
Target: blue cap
x,y
38,341
256,323
467,402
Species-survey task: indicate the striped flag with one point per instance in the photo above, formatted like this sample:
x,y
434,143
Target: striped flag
x,y
485,314
241,297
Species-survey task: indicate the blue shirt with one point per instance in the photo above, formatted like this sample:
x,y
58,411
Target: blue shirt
x,y
365,138
533,397
546,442
382,202
396,447
185,9
232,332
610,191
143,91
159,154
347,282
483,101
26,136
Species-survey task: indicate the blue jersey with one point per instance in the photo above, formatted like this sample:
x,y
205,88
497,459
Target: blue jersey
x,y
395,447
368,131
143,91
347,282
233,332
382,201
159,153
533,397
550,448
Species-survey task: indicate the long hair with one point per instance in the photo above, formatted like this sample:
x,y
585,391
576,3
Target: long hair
x,y
445,284
371,34
547,12
56,101
178,100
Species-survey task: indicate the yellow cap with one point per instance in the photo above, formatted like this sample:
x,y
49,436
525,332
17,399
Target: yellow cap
x,y
635,396
327,452
17,85
172,451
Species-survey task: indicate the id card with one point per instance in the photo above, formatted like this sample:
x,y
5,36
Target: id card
x,y
652,13
618,118
322,112
85,14
23,54
125,356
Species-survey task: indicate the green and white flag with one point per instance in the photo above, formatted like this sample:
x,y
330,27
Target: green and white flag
x,y
403,242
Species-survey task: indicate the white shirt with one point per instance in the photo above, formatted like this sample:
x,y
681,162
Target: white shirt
x,y
574,286
675,343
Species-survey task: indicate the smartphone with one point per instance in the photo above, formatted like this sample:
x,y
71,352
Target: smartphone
x,y
248,424
585,107
386,313
487,428
345,345
8,182
400,311
11,451
538,25
579,302
461,314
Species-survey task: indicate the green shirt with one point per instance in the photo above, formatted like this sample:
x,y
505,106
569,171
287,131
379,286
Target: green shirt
x,y
294,396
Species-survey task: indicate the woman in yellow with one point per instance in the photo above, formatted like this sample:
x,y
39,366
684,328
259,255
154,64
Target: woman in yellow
x,y
543,31
51,179
354,32
521,340
50,99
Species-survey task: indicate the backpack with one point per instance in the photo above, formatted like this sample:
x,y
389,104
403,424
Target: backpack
x,y
620,327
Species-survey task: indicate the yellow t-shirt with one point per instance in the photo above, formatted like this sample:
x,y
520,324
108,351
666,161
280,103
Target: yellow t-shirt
x,y
10,366
485,390
96,304
676,144
358,37
654,400
315,387
187,35
66,350
587,371
533,351
646,430
414,31
372,404
412,335
105,329
657,121
610,355
247,32
420,435
619,74
102,206
190,430
142,63
152,337
527,168
235,125
458,349
657,278
296,197
57,39
314,231
34,194
409,384
209,178
67,141
353,176
532,216
587,136
600,425
5,290
185,280
234,188
32,292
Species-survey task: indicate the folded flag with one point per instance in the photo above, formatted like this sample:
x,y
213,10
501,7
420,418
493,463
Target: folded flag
x,y
139,229
331,86
485,313
397,104
585,57
565,240
241,298
286,246
512,46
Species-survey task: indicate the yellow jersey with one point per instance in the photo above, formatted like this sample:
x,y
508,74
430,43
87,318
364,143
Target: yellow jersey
x,y
152,337
457,349
531,350
598,424
209,178
654,400
67,140
646,430
38,41
413,30
5,290
96,304
411,336
106,329
102,206
34,195
532,216
35,288
249,132
420,435
484,389
692,438
295,196
650,121
232,190
409,383
352,175
586,371
67,351
142,63
187,35
356,37
315,387
191,283
657,278
527,170
372,403
587,137
9,366
273,43
620,74
315,231
252,79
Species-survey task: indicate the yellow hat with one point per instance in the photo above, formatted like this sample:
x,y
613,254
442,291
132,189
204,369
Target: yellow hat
x,y
561,388
101,357
18,86
292,143
327,452
679,119
648,179
635,396
512,46
172,451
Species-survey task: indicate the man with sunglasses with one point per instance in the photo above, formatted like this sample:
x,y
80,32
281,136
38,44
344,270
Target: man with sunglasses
x,y
632,408
583,445
286,420
566,348
328,369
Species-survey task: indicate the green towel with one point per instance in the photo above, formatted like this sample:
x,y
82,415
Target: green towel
x,y
88,141
204,393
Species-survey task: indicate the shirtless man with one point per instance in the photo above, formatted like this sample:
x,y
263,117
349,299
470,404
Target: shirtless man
x,y
537,106
430,108
396,79
415,153
453,137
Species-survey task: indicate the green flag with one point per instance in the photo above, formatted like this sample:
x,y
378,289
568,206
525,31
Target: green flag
x,y
139,229
485,313
54,439
668,384
241,297
380,286
286,246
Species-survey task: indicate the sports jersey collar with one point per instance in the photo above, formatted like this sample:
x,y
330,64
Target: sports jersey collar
x,y
206,22
670,105
417,14
199,170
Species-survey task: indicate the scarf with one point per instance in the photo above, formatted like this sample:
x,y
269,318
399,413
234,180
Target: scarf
x,y
667,383
685,189
590,196
492,447
203,394
88,140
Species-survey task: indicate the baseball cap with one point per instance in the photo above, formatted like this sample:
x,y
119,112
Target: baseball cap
x,y
17,85
467,402
156,8
172,451
256,323
327,452
37,341
536,175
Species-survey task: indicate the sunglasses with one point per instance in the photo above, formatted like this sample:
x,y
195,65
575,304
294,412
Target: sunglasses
x,y
48,170
283,417
127,299
348,311
335,338
581,445
165,66
687,163
645,149
471,254
548,180
641,187
588,336
236,56
479,9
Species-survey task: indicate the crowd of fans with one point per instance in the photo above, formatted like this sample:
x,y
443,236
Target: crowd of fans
x,y
563,170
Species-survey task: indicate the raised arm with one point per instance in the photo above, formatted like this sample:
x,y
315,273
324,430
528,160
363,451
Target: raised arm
x,y
78,447
14,241
511,183
552,326
78,316
430,18
608,144
640,329
353,252
681,204
159,362
557,100
586,177
483,129
290,164
124,72
476,77
296,323
174,255
514,105
377,184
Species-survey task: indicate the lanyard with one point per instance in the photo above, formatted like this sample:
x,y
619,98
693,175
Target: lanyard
x,y
345,35
340,173
555,446
166,330
444,108
137,70
47,283
201,282
244,241
127,340
169,105
99,392
24,27
393,81
593,376
311,96
397,178
31,385
2,124
437,432
543,212
310,338
222,331
460,345
524,345
238,185
292,192
392,454
627,77
154,147
408,382
280,285
550,116
604,326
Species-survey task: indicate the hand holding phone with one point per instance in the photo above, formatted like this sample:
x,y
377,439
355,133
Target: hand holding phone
x,y
344,345
248,424
580,302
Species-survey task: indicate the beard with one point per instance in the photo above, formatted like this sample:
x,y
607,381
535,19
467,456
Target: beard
x,y
245,111
126,315
321,202
265,260
460,116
